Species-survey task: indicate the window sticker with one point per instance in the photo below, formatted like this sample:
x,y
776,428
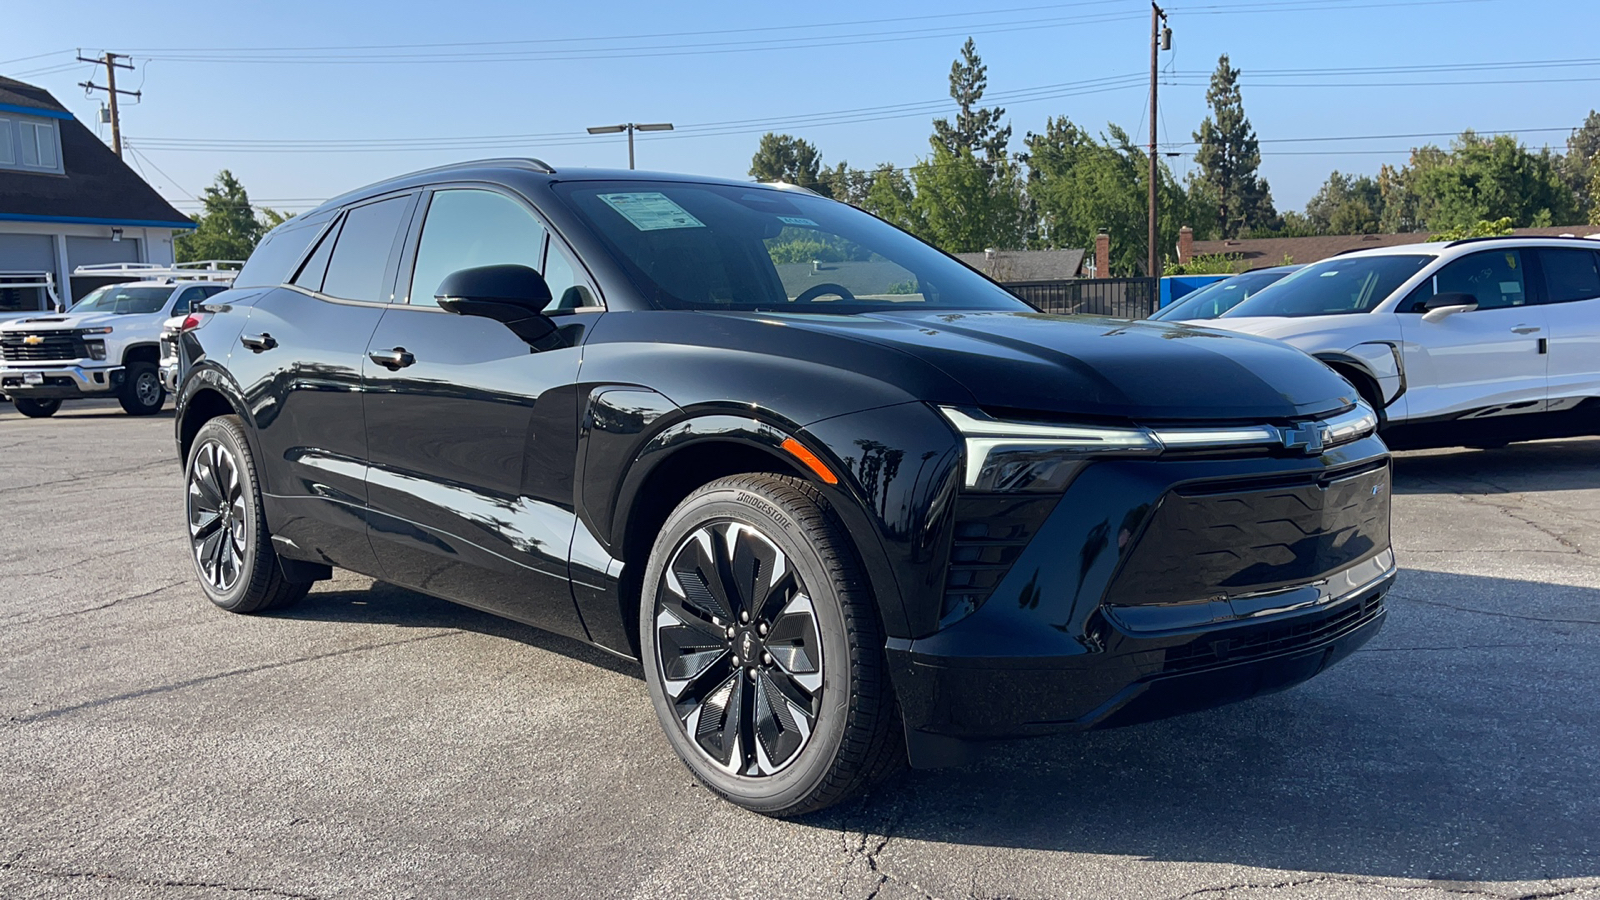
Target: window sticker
x,y
798,222
1510,287
651,211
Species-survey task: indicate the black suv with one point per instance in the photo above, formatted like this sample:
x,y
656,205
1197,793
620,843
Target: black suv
x,y
846,500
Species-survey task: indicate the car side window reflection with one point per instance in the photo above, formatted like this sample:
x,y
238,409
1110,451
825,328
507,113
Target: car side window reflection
x,y
467,228
568,289
1494,277
361,254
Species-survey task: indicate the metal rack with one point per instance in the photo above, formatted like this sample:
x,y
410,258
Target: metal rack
x,y
223,270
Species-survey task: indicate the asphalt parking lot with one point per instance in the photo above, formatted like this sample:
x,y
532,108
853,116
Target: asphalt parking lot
x,y
376,743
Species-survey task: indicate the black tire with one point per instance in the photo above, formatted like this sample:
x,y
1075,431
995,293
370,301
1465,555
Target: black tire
x,y
229,545
142,392
778,762
37,409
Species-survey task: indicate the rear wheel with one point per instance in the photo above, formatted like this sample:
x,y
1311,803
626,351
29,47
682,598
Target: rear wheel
x,y
762,648
142,393
229,545
36,409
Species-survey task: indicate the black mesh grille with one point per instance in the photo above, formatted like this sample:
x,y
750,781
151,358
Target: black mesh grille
x,y
52,346
1243,645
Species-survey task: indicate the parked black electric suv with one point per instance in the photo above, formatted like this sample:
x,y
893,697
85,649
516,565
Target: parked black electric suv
x,y
846,499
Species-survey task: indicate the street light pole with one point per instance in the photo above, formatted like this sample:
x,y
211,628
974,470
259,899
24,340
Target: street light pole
x,y
630,128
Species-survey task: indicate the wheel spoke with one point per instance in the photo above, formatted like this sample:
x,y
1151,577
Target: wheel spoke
x,y
780,725
716,723
696,576
217,510
202,522
755,563
688,647
795,644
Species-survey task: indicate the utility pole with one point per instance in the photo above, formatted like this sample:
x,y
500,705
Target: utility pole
x,y
1160,39
630,128
111,64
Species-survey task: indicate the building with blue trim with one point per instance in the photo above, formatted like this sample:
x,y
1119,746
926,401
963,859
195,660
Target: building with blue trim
x,y
66,200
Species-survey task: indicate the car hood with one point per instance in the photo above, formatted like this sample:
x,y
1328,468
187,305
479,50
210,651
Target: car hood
x,y
1313,334
1105,368
63,321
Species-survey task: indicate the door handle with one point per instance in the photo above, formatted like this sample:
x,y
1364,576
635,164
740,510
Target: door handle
x,y
258,342
393,360
1525,329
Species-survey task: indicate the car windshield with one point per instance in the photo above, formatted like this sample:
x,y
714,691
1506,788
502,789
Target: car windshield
x,y
1218,297
1344,284
724,247
124,300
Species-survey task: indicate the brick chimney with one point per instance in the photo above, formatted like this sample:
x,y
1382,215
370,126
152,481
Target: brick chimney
x,y
1102,255
1185,245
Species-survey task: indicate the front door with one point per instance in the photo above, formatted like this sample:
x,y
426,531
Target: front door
x,y
1487,362
472,434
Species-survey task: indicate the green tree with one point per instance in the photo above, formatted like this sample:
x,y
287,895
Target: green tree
x,y
963,204
226,227
788,159
976,129
890,197
1346,204
1484,179
1229,156
1481,228
271,218
1581,167
844,184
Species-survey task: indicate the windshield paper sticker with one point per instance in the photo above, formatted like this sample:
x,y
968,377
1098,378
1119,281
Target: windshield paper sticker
x,y
651,211
798,222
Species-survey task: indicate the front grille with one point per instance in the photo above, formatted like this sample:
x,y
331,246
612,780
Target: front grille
x,y
1232,538
56,346
1246,644
991,532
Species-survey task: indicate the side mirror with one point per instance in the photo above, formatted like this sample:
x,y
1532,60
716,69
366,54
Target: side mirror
x,y
1442,306
515,296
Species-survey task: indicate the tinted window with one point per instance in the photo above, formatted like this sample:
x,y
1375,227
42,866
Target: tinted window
x,y
466,229
361,253
568,288
1571,274
316,267
190,298
1214,299
275,257
707,246
1344,284
1494,277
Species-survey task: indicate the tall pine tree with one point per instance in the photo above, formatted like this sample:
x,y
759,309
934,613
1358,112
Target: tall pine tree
x,y
1229,157
976,129
226,228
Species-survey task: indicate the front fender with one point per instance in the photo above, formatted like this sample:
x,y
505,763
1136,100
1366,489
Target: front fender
x,y
1379,360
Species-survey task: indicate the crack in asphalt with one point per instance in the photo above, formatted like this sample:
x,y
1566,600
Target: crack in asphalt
x,y
1503,615
10,621
206,679
1483,500
1469,647
95,475
101,555
1449,887
152,882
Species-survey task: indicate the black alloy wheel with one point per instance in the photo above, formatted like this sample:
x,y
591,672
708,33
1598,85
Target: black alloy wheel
x,y
763,650
37,409
142,393
228,541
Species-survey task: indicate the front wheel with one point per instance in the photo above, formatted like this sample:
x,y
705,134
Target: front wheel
x,y
142,393
229,545
762,648
36,409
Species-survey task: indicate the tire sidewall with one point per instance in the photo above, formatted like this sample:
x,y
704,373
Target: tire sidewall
x,y
220,431
771,793
130,395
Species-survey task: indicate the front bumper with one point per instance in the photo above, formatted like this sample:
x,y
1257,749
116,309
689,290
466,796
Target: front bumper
x,y
1149,589
60,382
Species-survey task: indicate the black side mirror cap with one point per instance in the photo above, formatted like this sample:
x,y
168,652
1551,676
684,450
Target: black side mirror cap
x,y
515,296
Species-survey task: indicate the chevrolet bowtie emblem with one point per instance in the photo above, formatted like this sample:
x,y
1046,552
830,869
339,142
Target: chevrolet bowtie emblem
x,y
33,340
1308,439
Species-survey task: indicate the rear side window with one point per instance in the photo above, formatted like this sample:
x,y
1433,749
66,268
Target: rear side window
x,y
1571,275
275,257
316,267
361,255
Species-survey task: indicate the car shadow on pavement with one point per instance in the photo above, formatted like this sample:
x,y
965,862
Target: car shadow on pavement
x,y
387,604
1566,465
1458,746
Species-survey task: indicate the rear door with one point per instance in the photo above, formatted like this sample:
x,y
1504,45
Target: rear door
x,y
473,438
1572,295
298,361
1489,361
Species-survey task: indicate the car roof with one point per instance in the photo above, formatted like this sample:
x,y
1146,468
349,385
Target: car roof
x,y
168,284
1469,245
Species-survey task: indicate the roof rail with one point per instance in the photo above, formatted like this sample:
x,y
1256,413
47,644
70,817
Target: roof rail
x,y
224,270
1519,237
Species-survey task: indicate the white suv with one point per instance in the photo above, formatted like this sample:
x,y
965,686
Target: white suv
x,y
104,346
1476,342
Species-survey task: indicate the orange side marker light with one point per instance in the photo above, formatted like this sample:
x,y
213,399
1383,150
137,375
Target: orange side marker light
x,y
799,452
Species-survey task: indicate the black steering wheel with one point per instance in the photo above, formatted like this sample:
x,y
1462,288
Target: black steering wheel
x,y
827,287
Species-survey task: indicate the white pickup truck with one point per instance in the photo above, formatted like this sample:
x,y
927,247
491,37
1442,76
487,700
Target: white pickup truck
x,y
106,345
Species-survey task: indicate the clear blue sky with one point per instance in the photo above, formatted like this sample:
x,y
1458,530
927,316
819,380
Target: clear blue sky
x,y
238,74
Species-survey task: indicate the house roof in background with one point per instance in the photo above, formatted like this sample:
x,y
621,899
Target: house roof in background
x,y
98,188
862,278
1260,253
1027,265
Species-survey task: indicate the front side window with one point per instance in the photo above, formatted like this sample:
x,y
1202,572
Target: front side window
x,y
1337,286
361,256
466,229
728,247
121,299
1494,277
1570,275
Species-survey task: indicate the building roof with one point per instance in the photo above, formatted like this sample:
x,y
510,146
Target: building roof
x,y
1259,253
1027,265
858,277
97,189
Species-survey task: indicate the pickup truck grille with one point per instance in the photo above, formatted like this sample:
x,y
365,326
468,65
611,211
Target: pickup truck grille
x,y
54,346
